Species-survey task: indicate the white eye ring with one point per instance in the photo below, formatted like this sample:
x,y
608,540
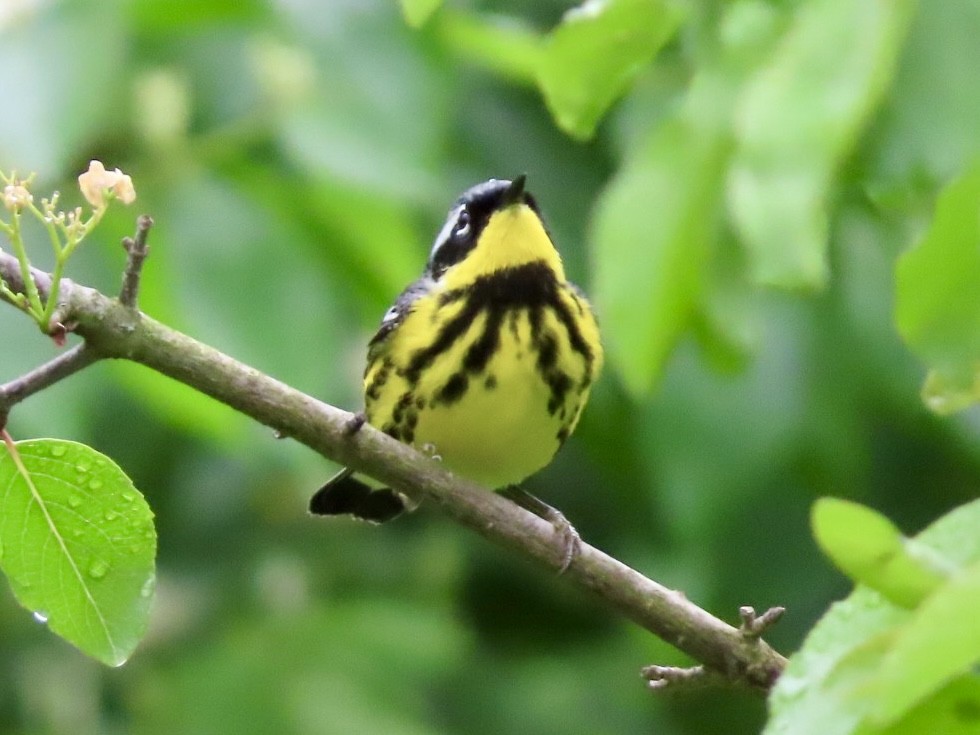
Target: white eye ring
x,y
462,226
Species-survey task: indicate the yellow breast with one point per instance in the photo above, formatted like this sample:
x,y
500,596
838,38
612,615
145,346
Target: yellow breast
x,y
504,416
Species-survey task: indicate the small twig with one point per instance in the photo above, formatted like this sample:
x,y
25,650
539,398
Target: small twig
x,y
753,627
661,678
136,250
676,678
41,377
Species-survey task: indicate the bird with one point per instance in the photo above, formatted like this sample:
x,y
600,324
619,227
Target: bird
x,y
486,361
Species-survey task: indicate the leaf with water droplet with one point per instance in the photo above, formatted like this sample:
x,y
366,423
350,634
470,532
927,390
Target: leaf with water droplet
x,y
78,544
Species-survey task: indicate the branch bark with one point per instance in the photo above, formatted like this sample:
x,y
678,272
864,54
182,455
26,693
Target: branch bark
x,y
113,330
65,364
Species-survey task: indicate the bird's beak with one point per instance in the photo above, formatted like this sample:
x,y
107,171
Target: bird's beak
x,y
514,193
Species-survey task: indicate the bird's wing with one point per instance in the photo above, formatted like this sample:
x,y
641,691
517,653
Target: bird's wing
x,y
397,313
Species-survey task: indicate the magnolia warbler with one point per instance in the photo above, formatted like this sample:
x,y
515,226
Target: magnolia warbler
x,y
485,361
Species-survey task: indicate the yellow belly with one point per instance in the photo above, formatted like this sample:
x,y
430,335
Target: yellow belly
x,y
495,435
505,425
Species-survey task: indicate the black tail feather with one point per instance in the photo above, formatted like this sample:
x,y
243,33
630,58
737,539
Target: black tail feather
x,y
344,494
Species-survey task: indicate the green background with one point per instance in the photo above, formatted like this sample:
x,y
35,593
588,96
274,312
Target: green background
x,y
298,157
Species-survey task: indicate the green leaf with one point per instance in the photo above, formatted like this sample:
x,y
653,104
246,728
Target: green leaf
x,y
831,683
501,44
937,306
594,54
928,127
868,548
946,393
651,235
798,118
417,12
649,259
953,710
654,229
939,643
78,545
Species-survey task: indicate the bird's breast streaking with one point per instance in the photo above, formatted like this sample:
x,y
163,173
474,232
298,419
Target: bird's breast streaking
x,y
493,375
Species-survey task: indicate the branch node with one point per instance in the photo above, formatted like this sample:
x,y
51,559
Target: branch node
x,y
136,251
754,626
353,424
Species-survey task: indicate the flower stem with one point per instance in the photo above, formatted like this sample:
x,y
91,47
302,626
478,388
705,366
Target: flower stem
x,y
34,299
59,266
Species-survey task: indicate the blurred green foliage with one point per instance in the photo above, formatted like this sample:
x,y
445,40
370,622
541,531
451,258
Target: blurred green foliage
x,y
298,156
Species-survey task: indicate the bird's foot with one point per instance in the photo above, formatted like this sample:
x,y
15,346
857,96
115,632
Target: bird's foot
x,y
571,542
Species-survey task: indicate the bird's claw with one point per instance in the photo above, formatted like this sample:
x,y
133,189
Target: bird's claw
x,y
571,542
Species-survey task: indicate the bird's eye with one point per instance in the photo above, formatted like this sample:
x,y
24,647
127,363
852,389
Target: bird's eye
x,y
462,227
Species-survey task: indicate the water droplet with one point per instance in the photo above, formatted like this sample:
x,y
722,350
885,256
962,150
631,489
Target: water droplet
x,y
148,586
58,450
74,501
128,497
95,483
148,533
111,515
76,532
83,466
98,568
40,617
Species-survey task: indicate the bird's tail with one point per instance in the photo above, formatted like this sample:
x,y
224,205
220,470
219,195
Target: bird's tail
x,y
345,494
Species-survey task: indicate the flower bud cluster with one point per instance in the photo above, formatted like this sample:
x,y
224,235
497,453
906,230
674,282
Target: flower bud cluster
x,y
16,196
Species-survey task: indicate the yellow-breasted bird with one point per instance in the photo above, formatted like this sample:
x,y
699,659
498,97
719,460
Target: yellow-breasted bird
x,y
486,360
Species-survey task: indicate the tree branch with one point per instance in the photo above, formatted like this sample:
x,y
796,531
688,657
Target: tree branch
x,y
113,330
65,364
